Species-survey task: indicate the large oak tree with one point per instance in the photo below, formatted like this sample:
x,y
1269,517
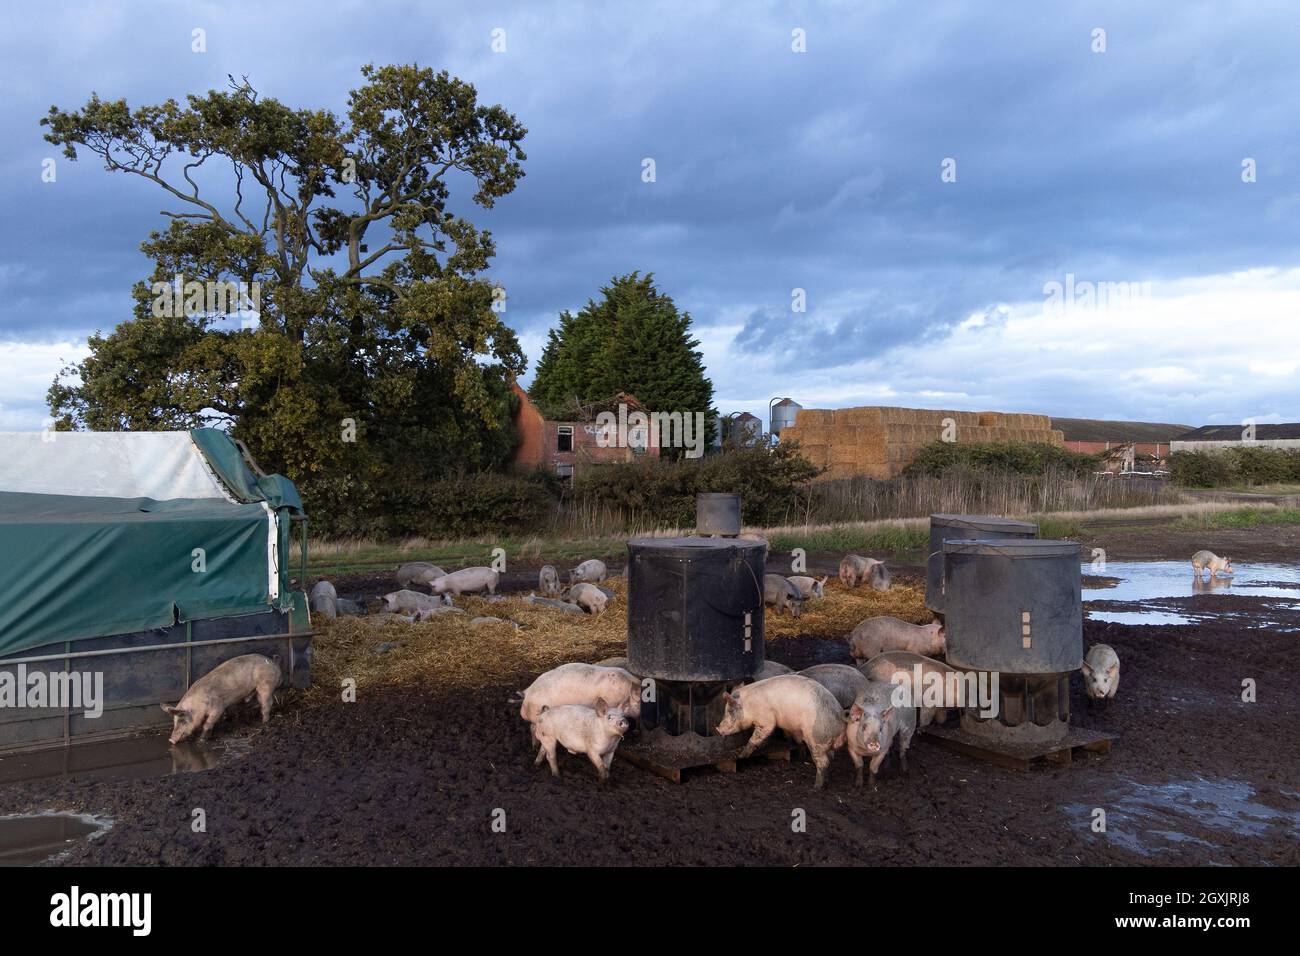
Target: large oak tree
x,y
373,306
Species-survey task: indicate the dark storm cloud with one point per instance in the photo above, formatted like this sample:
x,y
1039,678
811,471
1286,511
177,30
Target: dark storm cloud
x,y
774,170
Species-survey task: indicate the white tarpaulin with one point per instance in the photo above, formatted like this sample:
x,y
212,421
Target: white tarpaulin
x,y
159,465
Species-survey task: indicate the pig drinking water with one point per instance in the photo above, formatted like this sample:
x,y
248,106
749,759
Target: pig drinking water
x,y
1101,672
324,599
467,581
548,580
1216,565
807,712
584,684
588,597
781,594
239,678
594,731
592,572
418,574
874,723
876,635
809,587
842,680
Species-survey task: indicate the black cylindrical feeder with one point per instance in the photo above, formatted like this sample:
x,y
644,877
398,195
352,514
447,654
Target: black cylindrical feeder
x,y
948,527
717,513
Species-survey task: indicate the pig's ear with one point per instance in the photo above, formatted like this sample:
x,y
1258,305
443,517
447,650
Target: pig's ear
x,y
167,708
602,708
1113,670
1086,668
855,712
887,713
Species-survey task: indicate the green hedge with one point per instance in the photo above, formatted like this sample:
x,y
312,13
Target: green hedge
x,y
1019,458
1239,465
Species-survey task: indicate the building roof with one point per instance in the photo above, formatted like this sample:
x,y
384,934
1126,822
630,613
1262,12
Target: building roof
x,y
1095,429
1233,432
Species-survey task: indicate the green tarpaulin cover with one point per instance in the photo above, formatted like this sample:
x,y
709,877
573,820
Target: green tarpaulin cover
x,y
79,566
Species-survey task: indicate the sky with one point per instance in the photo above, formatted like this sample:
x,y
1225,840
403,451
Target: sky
x,y
1081,209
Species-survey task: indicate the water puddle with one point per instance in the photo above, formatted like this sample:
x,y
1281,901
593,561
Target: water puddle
x,y
32,838
1149,819
128,758
1151,580
1164,592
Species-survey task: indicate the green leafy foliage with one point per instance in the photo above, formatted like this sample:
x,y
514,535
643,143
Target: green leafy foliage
x,y
376,355
1237,465
634,341
1021,458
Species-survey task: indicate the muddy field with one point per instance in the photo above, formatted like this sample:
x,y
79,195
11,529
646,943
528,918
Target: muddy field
x,y
412,776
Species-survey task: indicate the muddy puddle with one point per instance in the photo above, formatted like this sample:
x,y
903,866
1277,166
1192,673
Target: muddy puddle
x,y
128,758
1166,592
1150,819
26,839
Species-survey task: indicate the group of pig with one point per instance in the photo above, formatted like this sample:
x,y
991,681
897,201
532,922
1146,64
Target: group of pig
x,y
426,590
789,593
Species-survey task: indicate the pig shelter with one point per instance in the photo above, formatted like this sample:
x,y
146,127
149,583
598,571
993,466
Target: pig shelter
x,y
132,563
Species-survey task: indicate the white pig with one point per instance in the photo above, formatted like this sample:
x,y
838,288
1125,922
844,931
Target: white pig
x,y
418,574
807,712
876,635
411,602
548,580
467,581
874,723
553,603
855,570
594,731
239,678
1101,672
842,680
884,667
590,571
781,594
809,587
581,684
324,599
588,597
1208,559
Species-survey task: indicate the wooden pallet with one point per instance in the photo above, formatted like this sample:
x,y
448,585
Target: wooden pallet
x,y
1019,756
672,765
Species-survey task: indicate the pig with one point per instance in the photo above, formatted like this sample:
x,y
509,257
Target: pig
x,y
613,662
772,669
842,680
809,587
591,572
324,599
884,666
588,597
751,536
410,602
487,621
548,580
418,574
1101,672
855,570
581,684
429,613
553,603
803,708
595,731
466,581
876,635
1208,559
350,608
874,722
781,594
239,678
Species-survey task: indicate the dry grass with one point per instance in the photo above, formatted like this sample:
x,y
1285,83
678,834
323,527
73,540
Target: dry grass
x,y
446,652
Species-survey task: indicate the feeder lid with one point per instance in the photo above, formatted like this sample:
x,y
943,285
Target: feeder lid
x,y
984,523
1013,547
693,545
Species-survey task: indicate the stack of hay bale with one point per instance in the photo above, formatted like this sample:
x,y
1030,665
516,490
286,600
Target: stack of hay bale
x,y
880,441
